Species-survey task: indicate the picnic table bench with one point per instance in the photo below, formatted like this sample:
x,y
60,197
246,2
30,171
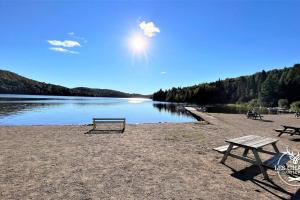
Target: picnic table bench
x,y
254,116
109,121
289,130
256,145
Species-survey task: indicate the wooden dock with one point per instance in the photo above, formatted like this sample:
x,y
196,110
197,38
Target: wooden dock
x,y
200,116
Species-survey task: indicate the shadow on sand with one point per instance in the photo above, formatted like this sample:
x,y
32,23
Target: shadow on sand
x,y
249,174
265,120
104,132
296,140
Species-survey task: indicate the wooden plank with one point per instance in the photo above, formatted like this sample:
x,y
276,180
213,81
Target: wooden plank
x,y
278,159
244,141
107,122
222,149
251,142
109,118
241,139
264,142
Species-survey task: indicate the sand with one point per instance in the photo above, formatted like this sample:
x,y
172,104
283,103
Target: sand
x,y
147,161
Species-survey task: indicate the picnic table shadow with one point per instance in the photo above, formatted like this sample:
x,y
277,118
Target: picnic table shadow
x,y
249,174
295,139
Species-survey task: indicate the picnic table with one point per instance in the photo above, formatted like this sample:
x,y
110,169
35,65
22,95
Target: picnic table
x,y
255,115
256,145
289,130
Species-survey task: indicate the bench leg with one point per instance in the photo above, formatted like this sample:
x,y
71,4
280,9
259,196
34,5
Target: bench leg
x,y
94,125
259,163
275,148
227,153
245,152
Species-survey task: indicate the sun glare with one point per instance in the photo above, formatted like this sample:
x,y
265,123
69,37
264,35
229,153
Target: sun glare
x,y
138,43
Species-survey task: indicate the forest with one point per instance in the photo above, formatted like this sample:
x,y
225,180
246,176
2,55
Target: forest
x,y
12,83
264,88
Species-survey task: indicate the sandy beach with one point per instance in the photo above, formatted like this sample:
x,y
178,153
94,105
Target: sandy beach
x,y
147,161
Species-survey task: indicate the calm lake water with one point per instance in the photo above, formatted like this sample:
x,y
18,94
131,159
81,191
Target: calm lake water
x,y
52,110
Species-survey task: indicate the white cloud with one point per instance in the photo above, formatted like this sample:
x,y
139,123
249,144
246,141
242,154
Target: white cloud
x,y
71,34
163,73
63,50
149,28
76,37
66,43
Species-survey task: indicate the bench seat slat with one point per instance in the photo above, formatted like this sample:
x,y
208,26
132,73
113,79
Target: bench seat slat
x,y
222,149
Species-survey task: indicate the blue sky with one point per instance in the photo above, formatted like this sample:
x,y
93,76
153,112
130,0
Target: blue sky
x,y
89,43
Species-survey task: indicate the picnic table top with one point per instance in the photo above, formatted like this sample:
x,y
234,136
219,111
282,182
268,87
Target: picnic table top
x,y
252,141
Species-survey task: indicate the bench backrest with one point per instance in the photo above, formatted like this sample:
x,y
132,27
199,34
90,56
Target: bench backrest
x,y
109,120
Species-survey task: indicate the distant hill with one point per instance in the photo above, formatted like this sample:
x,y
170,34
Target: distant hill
x,y
12,83
263,88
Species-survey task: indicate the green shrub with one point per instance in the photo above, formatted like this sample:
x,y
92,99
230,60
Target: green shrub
x,y
295,106
283,103
253,103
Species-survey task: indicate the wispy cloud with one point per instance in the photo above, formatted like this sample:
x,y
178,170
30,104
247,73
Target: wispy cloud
x,y
63,50
163,73
149,28
76,37
66,43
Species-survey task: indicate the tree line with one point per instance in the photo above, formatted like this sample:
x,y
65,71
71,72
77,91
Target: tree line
x,y
12,83
264,88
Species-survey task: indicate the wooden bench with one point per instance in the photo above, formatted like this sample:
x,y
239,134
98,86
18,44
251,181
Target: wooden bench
x,y
223,149
289,130
110,121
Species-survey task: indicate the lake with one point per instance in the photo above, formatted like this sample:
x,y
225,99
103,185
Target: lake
x,y
62,110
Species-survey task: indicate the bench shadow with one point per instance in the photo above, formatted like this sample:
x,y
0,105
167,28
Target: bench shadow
x,y
249,174
104,132
266,120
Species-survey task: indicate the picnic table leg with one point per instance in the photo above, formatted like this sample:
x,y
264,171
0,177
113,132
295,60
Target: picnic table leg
x,y
259,163
227,153
275,148
245,152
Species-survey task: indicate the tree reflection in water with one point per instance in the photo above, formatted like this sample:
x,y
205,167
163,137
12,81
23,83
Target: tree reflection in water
x,y
172,108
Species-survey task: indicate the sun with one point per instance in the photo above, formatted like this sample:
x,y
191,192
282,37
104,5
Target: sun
x,y
138,43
